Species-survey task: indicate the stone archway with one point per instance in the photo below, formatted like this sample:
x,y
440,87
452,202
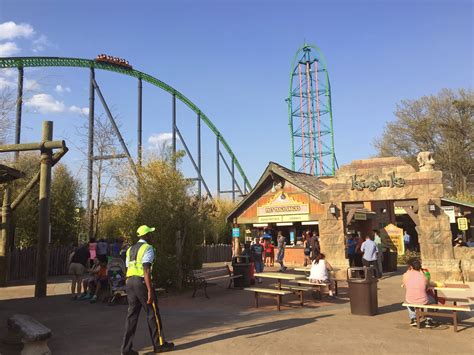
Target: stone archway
x,y
382,179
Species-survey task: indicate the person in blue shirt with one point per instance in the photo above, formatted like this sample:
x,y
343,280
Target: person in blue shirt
x,y
406,240
351,250
370,250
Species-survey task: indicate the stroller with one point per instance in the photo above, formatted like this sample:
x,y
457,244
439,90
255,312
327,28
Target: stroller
x,y
116,272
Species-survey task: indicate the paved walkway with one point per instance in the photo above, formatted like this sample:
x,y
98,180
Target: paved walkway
x,y
227,323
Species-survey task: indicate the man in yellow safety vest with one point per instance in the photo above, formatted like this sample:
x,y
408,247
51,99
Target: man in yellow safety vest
x,y
140,294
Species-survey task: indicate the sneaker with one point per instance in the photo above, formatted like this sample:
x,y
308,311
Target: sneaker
x,y
413,322
164,348
85,296
429,323
94,299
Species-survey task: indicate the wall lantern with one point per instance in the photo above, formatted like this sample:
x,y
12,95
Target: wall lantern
x,y
431,206
332,209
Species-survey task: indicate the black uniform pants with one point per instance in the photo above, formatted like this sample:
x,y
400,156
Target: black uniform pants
x,y
137,295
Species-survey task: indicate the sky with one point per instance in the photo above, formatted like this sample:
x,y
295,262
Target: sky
x,y
233,60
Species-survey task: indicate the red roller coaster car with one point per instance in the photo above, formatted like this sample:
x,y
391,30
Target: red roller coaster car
x,y
104,58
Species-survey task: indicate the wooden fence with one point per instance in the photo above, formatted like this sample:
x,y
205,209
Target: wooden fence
x,y
216,253
23,262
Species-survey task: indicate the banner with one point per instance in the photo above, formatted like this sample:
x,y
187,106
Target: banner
x,y
392,238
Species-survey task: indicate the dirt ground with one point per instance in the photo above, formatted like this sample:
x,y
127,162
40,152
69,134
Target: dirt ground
x,y
228,323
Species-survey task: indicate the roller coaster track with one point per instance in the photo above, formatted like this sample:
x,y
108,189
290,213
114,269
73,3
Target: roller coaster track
x,y
18,62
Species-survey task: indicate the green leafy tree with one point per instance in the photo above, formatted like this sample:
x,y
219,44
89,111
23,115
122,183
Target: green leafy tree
x,y
442,124
65,202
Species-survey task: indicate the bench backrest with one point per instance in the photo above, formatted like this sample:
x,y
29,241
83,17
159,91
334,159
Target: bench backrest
x,y
212,272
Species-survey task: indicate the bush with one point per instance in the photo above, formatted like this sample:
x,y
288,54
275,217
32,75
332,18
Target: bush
x,y
403,259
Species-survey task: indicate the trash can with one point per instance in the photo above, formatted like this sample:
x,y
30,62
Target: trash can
x,y
241,266
362,283
389,261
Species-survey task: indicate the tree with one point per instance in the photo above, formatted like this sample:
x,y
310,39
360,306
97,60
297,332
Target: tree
x,y
65,202
442,124
220,232
7,105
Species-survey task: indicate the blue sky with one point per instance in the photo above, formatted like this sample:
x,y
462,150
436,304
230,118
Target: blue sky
x,y
232,59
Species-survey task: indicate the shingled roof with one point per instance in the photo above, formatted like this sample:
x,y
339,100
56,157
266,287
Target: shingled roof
x,y
306,182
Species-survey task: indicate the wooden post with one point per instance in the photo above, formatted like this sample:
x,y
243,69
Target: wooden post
x,y
44,213
4,237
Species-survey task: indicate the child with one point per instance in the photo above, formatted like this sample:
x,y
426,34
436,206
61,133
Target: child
x,y
268,253
320,273
96,281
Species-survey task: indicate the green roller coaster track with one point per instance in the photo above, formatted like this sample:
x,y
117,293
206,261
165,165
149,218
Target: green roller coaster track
x,y
16,62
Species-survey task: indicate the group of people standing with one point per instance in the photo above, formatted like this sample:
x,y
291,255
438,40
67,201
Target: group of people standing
x,y
366,251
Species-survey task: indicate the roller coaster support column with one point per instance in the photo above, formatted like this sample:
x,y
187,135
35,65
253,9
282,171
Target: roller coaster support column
x,y
90,157
173,129
139,148
199,153
44,213
218,167
19,103
233,180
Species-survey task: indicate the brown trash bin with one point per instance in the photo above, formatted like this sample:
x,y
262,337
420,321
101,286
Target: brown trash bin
x,y
362,283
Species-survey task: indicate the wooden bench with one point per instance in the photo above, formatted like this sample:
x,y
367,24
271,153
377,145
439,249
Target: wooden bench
x,y
453,312
276,293
208,276
299,290
313,285
32,334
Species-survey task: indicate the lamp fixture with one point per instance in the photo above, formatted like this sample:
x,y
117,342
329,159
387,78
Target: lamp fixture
x,y
431,206
332,209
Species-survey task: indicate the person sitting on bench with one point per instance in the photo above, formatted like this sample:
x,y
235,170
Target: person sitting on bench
x,y
319,273
416,286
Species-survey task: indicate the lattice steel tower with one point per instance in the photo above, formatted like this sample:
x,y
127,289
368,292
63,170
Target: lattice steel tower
x,y
310,114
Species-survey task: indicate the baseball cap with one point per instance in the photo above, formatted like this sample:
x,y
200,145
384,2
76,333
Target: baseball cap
x,y
142,230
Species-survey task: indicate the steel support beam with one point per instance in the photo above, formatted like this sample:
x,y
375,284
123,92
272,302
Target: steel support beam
x,y
110,157
233,180
192,161
218,167
173,129
139,129
116,129
199,153
19,104
44,213
90,155
229,169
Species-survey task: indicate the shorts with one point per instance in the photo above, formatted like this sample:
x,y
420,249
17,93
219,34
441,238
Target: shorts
x,y
76,269
268,254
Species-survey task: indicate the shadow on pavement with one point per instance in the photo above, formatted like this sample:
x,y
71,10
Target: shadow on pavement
x,y
254,331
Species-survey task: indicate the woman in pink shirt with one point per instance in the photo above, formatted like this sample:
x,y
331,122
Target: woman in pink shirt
x,y
416,285
92,251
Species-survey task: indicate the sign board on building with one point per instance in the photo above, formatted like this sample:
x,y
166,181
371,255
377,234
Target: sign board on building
x,y
269,219
235,232
449,210
292,237
296,218
392,238
282,204
359,216
462,224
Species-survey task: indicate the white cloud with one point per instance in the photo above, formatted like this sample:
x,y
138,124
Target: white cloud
x,y
10,30
157,140
6,84
45,103
40,44
61,89
8,49
83,110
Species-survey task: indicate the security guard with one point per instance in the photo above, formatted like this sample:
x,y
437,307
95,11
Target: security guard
x,y
140,294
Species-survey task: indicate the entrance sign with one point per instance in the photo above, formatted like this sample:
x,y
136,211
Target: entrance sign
x,y
235,232
374,184
282,204
449,210
359,216
462,224
393,238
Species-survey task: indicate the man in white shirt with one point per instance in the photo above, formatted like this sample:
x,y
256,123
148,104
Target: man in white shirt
x,y
370,253
379,244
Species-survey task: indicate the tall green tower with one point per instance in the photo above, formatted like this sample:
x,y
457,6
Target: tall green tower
x,y
310,114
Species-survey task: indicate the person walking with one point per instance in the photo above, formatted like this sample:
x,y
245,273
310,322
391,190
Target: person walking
x,y
141,294
257,251
406,241
281,240
351,250
379,244
369,258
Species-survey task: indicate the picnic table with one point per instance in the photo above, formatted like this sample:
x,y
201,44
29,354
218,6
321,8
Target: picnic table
x,y
452,288
279,276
